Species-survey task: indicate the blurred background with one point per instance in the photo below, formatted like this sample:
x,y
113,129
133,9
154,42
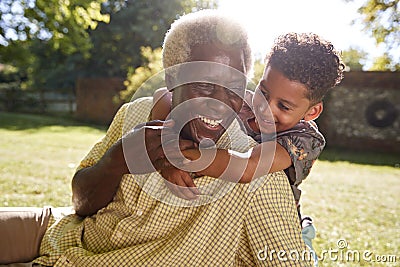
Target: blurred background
x,y
86,58
67,66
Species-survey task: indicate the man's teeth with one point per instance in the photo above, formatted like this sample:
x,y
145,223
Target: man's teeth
x,y
211,122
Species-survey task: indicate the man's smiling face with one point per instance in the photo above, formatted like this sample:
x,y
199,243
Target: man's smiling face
x,y
209,101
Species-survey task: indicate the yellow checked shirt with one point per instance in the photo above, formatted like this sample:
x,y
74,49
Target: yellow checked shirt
x,y
252,224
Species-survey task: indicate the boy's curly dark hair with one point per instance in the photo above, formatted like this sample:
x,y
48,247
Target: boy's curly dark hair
x,y
308,59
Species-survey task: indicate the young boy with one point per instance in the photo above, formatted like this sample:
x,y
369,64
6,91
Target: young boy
x,y
300,70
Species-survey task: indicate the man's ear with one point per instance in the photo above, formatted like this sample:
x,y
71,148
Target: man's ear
x,y
314,112
169,81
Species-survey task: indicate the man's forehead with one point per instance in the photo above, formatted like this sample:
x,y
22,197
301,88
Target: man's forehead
x,y
209,72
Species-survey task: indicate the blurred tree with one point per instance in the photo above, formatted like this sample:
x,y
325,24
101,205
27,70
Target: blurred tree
x,y
384,63
381,19
9,73
354,58
55,56
146,78
133,24
36,36
258,71
62,24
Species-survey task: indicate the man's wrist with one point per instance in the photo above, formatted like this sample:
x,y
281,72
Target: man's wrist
x,y
114,162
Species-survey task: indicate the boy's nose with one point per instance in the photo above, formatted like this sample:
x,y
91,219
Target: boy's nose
x,y
267,110
270,112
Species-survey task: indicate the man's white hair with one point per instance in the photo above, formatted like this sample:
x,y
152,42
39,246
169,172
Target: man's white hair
x,y
204,27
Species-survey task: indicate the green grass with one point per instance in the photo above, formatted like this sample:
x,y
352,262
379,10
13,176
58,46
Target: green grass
x,y
355,202
352,196
38,158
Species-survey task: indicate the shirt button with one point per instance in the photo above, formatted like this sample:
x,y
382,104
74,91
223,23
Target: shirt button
x,y
119,234
139,212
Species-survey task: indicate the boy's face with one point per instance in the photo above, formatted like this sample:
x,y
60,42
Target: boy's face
x,y
214,94
281,102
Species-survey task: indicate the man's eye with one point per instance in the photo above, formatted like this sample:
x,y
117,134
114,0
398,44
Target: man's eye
x,y
203,88
200,86
236,91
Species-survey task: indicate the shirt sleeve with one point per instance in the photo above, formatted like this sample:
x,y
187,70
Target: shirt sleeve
x,y
113,133
128,116
272,229
304,144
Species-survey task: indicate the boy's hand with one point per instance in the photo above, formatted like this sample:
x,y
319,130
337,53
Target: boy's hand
x,y
146,147
180,183
172,146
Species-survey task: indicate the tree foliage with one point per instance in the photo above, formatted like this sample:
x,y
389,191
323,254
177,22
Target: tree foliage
x,y
145,78
63,24
354,58
258,71
55,42
38,36
381,19
133,24
384,63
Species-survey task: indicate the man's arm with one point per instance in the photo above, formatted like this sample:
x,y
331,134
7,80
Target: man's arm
x,y
99,174
95,183
140,151
136,152
94,187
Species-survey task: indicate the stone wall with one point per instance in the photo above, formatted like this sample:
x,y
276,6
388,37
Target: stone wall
x,y
363,113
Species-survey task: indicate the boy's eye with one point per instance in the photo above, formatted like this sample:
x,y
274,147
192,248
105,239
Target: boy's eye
x,y
282,106
265,94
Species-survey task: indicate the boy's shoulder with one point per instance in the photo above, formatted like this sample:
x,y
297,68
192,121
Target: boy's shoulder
x,y
303,125
304,128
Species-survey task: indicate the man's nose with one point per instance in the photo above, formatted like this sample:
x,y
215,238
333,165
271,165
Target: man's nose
x,y
219,101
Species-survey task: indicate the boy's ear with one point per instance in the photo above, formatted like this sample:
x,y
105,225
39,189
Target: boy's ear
x,y
314,112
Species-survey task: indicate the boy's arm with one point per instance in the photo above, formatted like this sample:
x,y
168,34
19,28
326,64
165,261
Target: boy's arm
x,y
299,148
180,183
251,166
304,145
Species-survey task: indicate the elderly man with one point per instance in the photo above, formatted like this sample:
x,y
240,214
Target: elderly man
x,y
125,215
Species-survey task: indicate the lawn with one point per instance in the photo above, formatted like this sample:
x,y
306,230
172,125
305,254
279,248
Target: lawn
x,y
353,197
39,156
